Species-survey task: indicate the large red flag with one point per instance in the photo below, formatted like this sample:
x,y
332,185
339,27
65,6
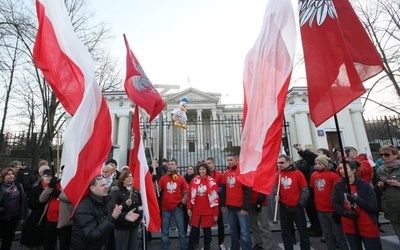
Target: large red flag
x,y
267,71
138,86
338,56
142,178
68,68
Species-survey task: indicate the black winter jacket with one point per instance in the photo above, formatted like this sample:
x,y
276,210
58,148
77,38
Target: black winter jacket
x,y
93,222
119,197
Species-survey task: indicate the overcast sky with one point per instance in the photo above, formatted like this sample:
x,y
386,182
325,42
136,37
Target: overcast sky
x,y
195,43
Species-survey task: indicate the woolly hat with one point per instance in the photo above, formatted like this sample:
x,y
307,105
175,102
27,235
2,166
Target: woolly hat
x,y
112,161
323,159
48,172
42,168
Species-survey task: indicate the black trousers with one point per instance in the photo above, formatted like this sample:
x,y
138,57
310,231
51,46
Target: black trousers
x,y
8,227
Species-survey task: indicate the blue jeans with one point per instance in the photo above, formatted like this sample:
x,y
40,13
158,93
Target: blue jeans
x,y
369,243
177,213
288,215
235,219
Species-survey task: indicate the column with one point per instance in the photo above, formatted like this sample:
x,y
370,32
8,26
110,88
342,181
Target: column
x,y
359,131
214,129
168,132
303,129
199,132
123,139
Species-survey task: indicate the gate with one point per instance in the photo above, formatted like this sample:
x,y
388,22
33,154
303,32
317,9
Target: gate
x,y
201,139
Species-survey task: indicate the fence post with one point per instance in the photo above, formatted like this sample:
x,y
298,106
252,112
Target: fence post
x,y
388,128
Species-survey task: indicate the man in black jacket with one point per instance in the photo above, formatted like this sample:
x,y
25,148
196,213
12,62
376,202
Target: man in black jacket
x,y
92,219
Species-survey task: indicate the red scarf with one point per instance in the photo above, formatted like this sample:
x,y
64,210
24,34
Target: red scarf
x,y
210,189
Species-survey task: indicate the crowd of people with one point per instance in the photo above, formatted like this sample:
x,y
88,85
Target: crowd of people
x,y
341,200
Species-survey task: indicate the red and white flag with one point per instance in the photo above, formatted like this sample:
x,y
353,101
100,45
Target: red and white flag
x,y
267,71
68,68
338,56
142,179
138,86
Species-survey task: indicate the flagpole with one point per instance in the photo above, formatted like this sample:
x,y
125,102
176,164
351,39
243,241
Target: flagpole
x,y
277,194
346,176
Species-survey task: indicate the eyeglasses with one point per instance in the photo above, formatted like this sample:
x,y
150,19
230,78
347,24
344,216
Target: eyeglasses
x,y
281,162
385,155
96,178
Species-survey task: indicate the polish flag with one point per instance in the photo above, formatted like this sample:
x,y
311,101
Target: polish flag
x,y
338,56
267,72
138,86
68,68
142,179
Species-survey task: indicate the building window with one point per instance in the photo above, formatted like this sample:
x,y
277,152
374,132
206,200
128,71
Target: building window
x,y
207,146
192,146
228,130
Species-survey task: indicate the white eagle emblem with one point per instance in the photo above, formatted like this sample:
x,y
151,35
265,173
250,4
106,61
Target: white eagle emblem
x,y
231,181
212,197
286,182
171,187
201,189
193,193
320,184
141,82
316,9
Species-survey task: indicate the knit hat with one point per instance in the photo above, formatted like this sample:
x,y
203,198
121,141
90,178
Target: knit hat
x,y
323,159
48,172
112,161
42,168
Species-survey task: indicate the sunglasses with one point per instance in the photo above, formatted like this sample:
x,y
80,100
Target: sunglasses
x,y
96,178
385,155
281,162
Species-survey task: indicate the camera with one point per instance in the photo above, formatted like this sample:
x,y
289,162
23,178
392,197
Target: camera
x,y
295,145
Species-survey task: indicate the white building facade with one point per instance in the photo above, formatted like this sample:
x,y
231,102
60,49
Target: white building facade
x,y
214,129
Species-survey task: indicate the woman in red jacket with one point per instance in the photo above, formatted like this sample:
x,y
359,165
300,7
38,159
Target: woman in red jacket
x,y
202,206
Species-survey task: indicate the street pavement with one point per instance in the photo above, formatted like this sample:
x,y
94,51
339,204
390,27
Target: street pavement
x,y
388,238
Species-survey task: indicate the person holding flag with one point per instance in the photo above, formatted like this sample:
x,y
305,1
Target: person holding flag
x,y
292,197
142,92
124,194
358,205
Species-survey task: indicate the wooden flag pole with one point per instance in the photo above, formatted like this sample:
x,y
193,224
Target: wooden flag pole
x,y
276,202
346,176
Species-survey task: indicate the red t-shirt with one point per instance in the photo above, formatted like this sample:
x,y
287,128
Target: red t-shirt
x,y
234,190
323,183
218,177
172,191
291,184
367,228
254,198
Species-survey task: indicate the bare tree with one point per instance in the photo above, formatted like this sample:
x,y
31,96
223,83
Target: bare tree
x,y
9,58
39,109
381,20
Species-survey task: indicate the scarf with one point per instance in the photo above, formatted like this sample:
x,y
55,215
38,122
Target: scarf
x,y
391,166
173,174
210,189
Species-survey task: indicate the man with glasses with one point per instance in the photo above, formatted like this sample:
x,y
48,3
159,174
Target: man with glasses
x,y
293,195
93,221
